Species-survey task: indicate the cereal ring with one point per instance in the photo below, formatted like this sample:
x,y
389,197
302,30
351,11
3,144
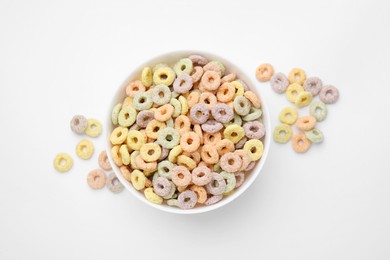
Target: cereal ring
x,y
211,80
254,113
135,127
161,95
252,98
239,88
198,60
288,115
282,133
217,184
306,123
224,146
212,126
213,199
318,110
300,143
127,116
164,153
193,98
152,197
180,175
85,149
230,162
187,199
115,113
116,156
183,83
314,135
292,92
241,105
234,133
125,155
183,104
182,124
158,66
118,135
212,139
279,83
183,66
199,132
200,192
230,181
162,186
177,107
215,66
168,137
313,85
174,94
170,123
133,157
135,140
201,175
144,117
134,87
194,156
138,180
254,130
164,169
182,188
241,143
246,160
126,173
226,92
297,76
329,94
254,148
264,72
96,179
164,75
250,166
237,120
103,161
303,99
186,161
240,178
150,152
172,203
174,153
163,113
217,168
148,168
209,154
222,113
171,194
196,74
63,162
128,101
147,76
209,99
79,124
113,183
142,101
189,142
199,113
153,128
94,128
228,78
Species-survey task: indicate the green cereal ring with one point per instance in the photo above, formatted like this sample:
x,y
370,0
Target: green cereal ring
x,y
115,113
314,135
172,203
237,120
142,101
183,66
63,162
282,133
288,115
168,137
161,94
170,123
94,128
164,75
241,105
217,167
127,116
254,113
318,110
177,107
174,94
230,181
164,169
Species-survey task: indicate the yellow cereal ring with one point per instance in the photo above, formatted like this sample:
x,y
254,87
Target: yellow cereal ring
x,y
164,75
255,148
186,161
138,180
127,116
123,150
288,115
297,76
116,156
133,162
143,132
174,153
63,162
147,77
303,99
184,105
177,107
152,197
153,128
234,133
85,149
150,152
128,101
292,92
94,128
119,135
194,156
239,88
135,140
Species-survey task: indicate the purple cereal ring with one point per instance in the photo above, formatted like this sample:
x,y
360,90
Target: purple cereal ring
x,y
198,60
162,186
144,117
213,199
279,82
199,113
254,130
183,83
201,175
241,143
212,126
222,113
329,94
187,199
240,177
230,162
250,166
217,184
313,85
164,152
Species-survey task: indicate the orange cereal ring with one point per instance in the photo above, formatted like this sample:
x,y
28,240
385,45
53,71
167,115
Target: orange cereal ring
x,y
306,123
226,92
103,161
210,166
211,80
252,97
199,132
228,78
300,143
264,72
209,99
230,162
224,146
200,192
96,179
116,155
163,113
209,154
193,98
126,173
212,139
182,124
134,87
151,166
189,142
196,73
181,176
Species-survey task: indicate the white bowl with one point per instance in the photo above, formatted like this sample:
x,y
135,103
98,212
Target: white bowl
x,y
170,59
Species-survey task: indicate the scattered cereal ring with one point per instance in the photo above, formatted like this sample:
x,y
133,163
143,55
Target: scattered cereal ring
x,y
96,179
279,83
152,197
224,146
113,183
241,105
234,133
288,115
254,148
125,155
226,92
161,95
183,83
119,135
134,87
183,66
217,184
103,161
303,99
94,128
135,140
177,107
228,78
138,180
189,142
222,113
212,126
201,175
180,176
314,135
127,116
230,162
292,92
163,113
164,75
150,152
142,101
63,162
85,149
168,137
240,178
254,130
115,113
144,117
209,154
313,85
300,143
211,80
199,113
187,199
174,153
79,124
209,99
254,114
162,186
318,110
213,200
306,123
230,181
116,156
252,98
264,72
329,94
153,128
196,74
147,76
297,76
198,60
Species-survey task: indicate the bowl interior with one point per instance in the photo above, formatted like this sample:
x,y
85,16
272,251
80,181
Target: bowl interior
x,y
170,59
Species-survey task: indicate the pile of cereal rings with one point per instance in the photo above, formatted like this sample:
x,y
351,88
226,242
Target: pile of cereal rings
x,y
300,91
187,135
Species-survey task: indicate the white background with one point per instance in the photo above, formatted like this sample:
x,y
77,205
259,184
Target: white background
x,y
63,58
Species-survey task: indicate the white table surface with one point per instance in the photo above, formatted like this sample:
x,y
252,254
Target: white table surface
x,y
58,59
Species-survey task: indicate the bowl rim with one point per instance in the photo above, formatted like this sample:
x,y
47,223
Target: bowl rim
x,y
160,58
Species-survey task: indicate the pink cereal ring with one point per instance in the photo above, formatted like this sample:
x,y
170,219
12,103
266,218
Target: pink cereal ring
x,y
201,175
222,113
199,113
246,160
189,142
228,78
144,165
240,177
211,80
134,87
196,74
212,126
217,184
198,60
213,199
230,162
181,176
226,92
187,199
